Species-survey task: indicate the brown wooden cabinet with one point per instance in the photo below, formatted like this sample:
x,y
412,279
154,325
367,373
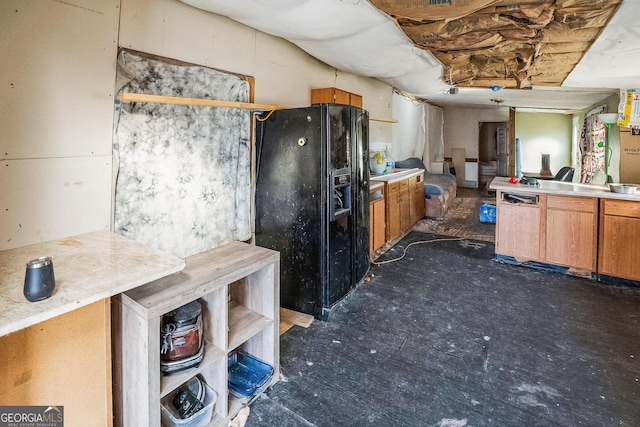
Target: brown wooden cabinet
x,y
377,222
404,200
332,95
398,210
416,198
571,231
619,237
519,226
560,230
393,211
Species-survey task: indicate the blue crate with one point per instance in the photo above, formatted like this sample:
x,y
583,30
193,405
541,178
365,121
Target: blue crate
x,y
487,213
248,376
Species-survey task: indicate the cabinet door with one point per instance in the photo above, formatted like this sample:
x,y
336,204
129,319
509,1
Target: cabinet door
x,y
416,196
518,230
377,223
571,231
372,246
405,209
393,211
619,236
571,238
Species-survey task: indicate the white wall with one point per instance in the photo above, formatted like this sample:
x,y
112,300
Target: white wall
x,y
462,130
407,135
58,77
57,73
462,127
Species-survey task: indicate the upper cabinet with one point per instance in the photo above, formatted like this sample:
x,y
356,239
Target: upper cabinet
x,y
332,95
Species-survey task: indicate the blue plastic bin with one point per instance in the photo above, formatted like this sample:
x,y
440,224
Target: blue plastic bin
x,y
488,213
248,376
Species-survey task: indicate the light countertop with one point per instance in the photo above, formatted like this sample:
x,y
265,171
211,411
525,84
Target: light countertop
x,y
398,175
375,185
562,188
87,268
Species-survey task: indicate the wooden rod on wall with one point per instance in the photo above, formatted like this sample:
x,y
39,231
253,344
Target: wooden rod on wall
x,y
381,119
160,99
200,102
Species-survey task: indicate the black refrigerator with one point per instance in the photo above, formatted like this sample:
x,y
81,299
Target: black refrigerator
x,y
312,202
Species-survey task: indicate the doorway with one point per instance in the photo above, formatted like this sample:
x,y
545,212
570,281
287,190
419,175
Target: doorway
x,y
493,151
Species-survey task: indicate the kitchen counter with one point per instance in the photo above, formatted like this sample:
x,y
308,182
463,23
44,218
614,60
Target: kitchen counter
x,y
562,189
375,186
397,175
87,268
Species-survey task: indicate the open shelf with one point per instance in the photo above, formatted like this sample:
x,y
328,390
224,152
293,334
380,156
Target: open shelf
x,y
239,287
244,324
170,382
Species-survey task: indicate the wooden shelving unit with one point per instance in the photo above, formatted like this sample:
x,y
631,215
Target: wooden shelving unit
x,y
239,286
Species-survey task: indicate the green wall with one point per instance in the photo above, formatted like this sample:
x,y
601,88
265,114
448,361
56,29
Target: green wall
x,y
544,133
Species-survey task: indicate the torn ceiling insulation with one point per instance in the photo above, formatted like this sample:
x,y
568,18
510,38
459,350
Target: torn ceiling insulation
x,y
546,45
507,43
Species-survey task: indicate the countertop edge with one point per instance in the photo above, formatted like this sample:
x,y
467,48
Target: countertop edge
x,y
562,189
397,176
75,298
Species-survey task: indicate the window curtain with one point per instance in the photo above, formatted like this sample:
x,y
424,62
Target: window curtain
x,y
182,172
592,145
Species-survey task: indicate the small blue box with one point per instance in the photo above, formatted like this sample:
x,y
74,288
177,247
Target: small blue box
x,y
488,213
248,375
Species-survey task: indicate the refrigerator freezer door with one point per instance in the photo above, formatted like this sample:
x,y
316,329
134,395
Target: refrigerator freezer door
x,y
290,209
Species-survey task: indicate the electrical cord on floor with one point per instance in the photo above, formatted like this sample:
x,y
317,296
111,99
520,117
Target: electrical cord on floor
x,y
404,252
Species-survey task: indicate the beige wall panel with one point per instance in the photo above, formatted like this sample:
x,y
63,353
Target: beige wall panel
x,y
285,74
461,127
176,30
58,77
48,199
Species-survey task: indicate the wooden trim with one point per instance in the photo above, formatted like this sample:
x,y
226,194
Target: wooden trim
x,y
382,119
199,102
511,129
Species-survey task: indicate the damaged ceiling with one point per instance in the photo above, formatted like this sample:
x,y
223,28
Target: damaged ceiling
x,y
567,54
503,43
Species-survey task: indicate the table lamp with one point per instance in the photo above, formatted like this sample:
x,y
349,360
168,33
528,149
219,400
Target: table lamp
x,y
609,119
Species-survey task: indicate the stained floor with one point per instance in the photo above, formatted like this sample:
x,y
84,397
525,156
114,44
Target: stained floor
x,y
462,219
449,337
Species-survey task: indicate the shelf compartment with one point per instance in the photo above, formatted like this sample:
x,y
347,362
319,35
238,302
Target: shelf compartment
x,y
244,324
168,383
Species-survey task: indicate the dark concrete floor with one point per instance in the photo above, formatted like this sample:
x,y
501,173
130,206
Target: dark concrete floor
x,y
449,337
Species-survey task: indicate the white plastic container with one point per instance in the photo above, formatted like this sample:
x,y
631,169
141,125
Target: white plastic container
x,y
170,417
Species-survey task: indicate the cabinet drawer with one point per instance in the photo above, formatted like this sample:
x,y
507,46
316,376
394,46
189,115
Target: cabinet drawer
x,y
393,188
404,184
621,208
567,203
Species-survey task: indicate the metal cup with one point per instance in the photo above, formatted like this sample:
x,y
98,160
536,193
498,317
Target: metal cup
x,y
39,281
